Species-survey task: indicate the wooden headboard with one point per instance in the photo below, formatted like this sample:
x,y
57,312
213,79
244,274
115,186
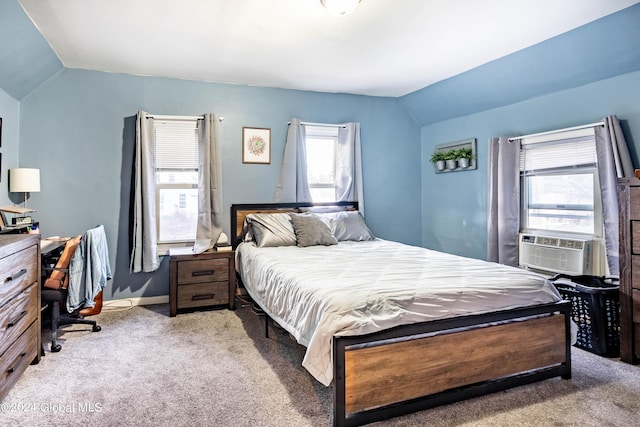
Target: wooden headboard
x,y
240,211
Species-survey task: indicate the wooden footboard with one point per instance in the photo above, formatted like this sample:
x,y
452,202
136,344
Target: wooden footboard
x,y
413,367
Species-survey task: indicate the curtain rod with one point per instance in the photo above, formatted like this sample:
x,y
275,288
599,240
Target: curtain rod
x,y
591,125
165,117
320,124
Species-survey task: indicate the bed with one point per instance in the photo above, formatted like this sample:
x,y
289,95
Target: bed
x,y
395,328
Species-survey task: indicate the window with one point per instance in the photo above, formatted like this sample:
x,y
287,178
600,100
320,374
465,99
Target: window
x,y
321,142
560,187
176,159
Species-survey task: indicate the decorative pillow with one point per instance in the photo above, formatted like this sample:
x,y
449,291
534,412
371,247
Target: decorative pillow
x,y
272,229
348,225
311,230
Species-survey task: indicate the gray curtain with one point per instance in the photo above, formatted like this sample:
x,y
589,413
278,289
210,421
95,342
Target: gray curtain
x,y
293,185
613,162
349,165
504,201
209,185
144,253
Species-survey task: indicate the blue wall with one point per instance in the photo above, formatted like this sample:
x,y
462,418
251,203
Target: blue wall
x,y
26,59
454,205
605,48
78,128
10,114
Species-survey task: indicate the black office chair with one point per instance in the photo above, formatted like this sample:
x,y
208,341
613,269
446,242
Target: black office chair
x,y
55,289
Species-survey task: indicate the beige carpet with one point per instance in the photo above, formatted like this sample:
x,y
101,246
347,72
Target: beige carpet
x,y
215,368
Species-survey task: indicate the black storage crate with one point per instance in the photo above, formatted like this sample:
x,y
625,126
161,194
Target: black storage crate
x,y
595,308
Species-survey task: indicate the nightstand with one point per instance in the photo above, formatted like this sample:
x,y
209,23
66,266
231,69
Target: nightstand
x,y
201,280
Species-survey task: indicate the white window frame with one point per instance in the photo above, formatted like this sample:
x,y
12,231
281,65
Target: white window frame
x,y
589,168
328,133
164,245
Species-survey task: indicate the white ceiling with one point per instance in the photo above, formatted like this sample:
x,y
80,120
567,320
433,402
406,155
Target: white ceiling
x,y
386,48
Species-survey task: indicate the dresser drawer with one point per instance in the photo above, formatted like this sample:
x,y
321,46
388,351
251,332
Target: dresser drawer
x,y
203,271
636,305
17,358
203,294
17,315
17,271
634,203
635,271
635,237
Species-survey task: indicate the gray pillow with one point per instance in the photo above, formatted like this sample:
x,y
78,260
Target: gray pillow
x,y
311,230
348,225
272,229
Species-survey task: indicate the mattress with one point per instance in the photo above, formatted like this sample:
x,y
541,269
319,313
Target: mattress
x,y
354,288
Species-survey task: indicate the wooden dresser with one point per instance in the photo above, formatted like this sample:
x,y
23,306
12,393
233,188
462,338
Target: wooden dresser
x,y
20,339
201,280
629,203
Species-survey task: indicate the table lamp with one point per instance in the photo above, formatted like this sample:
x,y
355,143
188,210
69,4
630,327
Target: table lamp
x,y
24,180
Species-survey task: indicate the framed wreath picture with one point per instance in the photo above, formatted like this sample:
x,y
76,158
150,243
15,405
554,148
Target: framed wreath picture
x,y
256,145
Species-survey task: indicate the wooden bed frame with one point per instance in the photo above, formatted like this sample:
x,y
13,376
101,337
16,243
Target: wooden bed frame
x,y
413,367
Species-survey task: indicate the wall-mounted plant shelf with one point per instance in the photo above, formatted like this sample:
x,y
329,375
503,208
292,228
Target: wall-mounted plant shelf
x,y
455,156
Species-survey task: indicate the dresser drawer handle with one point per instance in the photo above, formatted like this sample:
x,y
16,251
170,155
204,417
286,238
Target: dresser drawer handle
x,y
13,368
18,274
200,297
202,273
17,319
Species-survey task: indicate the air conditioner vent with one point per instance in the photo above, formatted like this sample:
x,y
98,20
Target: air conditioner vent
x,y
571,244
546,241
557,255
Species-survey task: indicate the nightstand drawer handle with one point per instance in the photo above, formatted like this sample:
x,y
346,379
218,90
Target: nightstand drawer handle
x,y
202,273
200,297
18,274
18,319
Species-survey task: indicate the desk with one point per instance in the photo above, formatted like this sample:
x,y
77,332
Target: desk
x,y
50,251
47,246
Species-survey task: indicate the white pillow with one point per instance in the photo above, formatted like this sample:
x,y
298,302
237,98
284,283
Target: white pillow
x,y
348,225
272,229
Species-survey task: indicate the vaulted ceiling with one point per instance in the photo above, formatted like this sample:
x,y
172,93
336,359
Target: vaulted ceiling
x,y
385,48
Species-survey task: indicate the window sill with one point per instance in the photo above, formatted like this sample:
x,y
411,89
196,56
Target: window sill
x,y
163,248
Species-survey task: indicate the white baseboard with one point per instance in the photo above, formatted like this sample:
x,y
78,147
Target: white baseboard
x,y
132,302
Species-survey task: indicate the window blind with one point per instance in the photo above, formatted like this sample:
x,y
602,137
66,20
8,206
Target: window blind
x,y
176,145
565,153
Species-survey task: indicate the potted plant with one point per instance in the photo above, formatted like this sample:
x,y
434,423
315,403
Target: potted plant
x,y
437,158
450,159
464,156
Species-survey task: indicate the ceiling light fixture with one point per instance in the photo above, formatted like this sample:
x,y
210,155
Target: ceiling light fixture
x,y
340,7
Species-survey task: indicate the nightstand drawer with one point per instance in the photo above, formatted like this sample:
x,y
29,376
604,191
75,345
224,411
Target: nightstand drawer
x,y
203,294
17,315
17,271
203,271
200,280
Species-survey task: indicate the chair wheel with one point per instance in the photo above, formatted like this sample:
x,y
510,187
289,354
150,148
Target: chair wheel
x,y
97,328
55,348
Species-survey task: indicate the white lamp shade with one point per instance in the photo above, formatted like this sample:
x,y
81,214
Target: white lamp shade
x,y
24,180
340,7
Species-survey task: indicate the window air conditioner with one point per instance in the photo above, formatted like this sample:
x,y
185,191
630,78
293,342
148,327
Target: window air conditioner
x,y
558,255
